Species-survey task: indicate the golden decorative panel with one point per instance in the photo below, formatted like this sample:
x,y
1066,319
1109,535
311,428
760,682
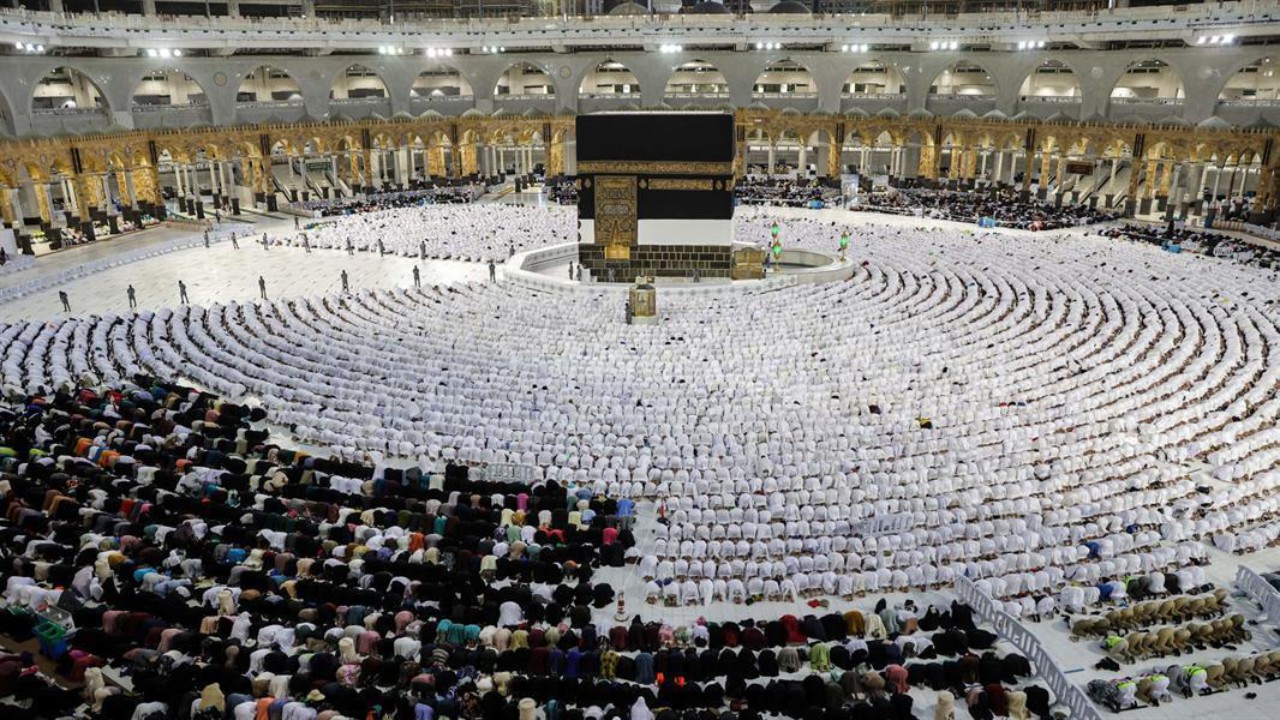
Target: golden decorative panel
x,y
748,264
681,184
632,167
616,223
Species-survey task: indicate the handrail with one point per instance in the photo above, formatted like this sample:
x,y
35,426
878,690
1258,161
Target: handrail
x,y
69,111
1146,101
995,23
270,103
1261,591
1008,627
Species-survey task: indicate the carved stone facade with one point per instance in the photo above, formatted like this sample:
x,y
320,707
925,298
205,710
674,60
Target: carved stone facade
x,y
1164,158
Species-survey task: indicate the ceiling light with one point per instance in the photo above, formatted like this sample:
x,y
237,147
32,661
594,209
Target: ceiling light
x,y
933,45
177,53
759,46
955,45
151,52
1040,44
1228,39
1200,40
164,52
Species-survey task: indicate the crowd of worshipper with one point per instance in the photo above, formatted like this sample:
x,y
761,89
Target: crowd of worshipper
x,y
1150,625
1022,518
1206,626
785,192
222,576
563,190
1233,208
1185,239
393,199
219,572
449,231
1025,411
1003,209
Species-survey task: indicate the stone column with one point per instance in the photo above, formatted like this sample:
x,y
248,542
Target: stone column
x,y
146,184
126,188
435,161
7,197
88,194
929,161
69,194
802,159
1264,204
772,159
37,190
470,159
1195,188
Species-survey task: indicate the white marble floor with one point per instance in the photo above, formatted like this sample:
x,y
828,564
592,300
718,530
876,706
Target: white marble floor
x,y
222,273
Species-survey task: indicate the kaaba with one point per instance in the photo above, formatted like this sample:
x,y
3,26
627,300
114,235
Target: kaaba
x,y
655,194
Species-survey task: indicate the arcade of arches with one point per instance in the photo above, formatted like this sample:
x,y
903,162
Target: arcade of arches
x,y
1165,165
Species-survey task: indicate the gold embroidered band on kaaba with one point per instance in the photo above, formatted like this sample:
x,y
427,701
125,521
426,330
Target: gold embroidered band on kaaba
x,y
654,167
703,184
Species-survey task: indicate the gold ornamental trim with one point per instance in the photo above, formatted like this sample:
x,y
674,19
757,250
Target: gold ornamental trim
x,y
681,184
616,222
659,167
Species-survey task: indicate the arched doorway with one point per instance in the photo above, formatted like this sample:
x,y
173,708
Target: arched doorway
x,y
1149,81
65,90
1255,83
697,80
784,78
524,80
358,82
168,97
268,85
